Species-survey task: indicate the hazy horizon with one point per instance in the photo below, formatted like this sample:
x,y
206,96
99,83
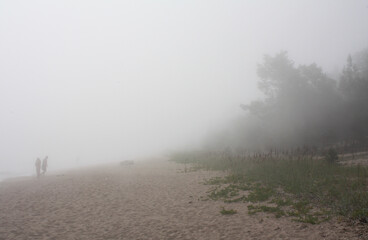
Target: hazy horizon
x,y
90,82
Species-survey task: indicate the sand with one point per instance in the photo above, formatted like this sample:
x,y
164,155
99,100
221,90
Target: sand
x,y
147,200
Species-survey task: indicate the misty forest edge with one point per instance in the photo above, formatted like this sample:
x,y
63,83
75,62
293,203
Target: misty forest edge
x,y
284,151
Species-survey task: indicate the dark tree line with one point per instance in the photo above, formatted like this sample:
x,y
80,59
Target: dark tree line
x,y
303,107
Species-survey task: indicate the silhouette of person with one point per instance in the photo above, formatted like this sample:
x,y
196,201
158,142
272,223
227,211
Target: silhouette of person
x,y
44,165
38,167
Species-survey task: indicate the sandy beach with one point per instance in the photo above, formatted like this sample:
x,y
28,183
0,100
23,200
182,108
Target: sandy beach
x,y
152,199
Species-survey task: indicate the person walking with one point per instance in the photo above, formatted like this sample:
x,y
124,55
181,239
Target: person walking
x,y
44,165
38,167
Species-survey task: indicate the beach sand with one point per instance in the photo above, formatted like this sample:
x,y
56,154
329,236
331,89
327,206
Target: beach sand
x,y
152,199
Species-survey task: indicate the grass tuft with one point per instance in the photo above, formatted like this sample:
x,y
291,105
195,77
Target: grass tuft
x,y
227,212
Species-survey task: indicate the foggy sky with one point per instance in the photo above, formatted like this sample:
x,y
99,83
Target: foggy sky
x,y
94,81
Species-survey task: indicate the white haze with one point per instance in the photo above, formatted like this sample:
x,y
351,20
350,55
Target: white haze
x,y
97,81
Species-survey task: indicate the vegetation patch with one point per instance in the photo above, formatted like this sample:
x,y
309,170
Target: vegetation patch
x,y
260,193
308,189
223,193
227,211
282,201
215,181
277,211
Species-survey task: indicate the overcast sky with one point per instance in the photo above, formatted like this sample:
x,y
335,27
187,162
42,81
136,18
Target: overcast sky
x,y
92,81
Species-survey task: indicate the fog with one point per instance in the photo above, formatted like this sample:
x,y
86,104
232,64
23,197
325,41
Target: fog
x,y
88,82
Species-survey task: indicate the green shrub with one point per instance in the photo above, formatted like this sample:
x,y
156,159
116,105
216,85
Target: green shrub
x,y
331,156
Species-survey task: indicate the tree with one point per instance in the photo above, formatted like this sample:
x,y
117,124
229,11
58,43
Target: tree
x,y
354,88
302,106
301,103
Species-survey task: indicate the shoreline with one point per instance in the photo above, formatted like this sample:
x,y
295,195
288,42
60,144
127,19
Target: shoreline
x,y
11,177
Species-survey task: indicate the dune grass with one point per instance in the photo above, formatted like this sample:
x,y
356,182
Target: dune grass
x,y
310,190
